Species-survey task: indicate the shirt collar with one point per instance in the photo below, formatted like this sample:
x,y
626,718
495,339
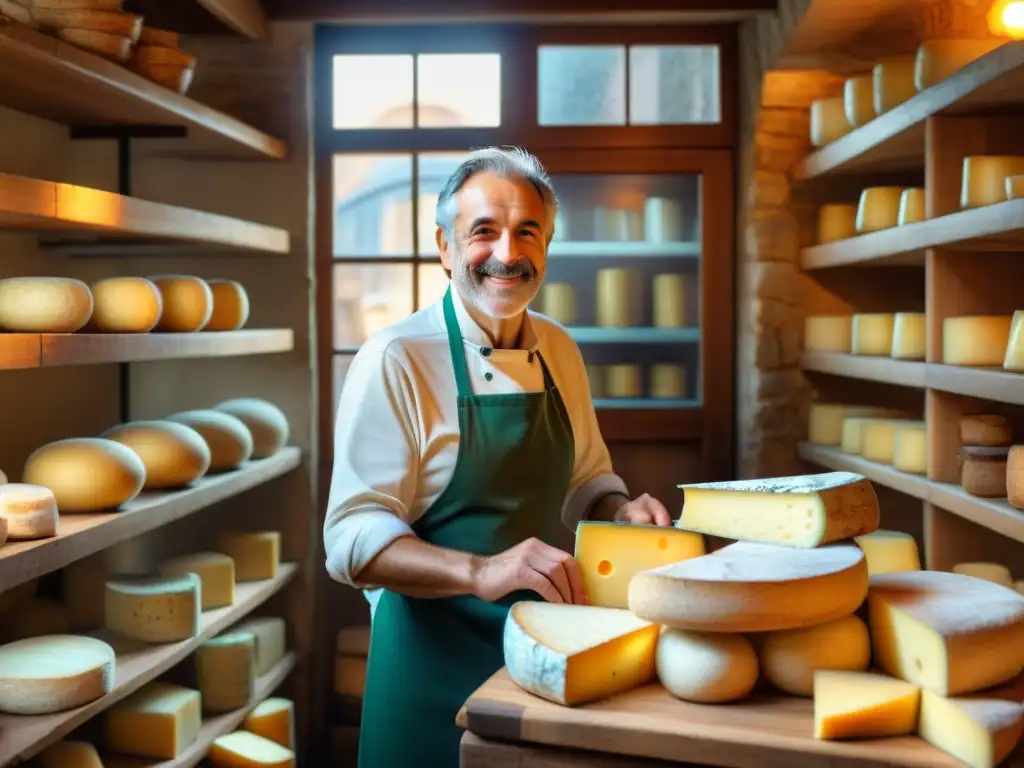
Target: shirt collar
x,y
474,334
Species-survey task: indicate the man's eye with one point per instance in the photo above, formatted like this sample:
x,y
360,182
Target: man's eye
x,y
527,233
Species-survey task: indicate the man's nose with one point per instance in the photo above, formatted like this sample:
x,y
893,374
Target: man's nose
x,y
504,249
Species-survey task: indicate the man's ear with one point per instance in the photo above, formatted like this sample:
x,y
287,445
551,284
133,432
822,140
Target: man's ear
x,y
444,249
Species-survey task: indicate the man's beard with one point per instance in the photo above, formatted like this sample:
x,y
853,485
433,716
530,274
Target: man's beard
x,y
512,299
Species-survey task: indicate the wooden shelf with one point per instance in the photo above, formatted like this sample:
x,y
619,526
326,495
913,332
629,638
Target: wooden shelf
x,y
21,737
45,77
624,249
46,206
902,372
998,227
995,514
635,335
895,140
83,535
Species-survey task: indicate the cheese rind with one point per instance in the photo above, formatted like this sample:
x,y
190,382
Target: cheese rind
x,y
872,334
983,181
979,731
836,221
266,422
256,554
912,207
802,511
789,659
908,336
273,719
226,668
878,208
125,305
1014,358
44,304
938,59
160,720
187,302
69,754
271,640
706,667
154,609
825,422
850,705
859,100
893,82
30,511
54,673
889,551
975,339
174,455
878,438
229,440
994,572
828,333
986,429
230,306
86,474
242,749
610,554
576,654
828,120
910,450
216,572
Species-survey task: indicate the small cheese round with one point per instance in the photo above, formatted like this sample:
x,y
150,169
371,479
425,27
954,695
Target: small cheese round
x,y
789,658
174,454
54,673
87,474
154,609
229,440
267,422
986,429
188,303
30,511
230,306
125,305
706,667
44,304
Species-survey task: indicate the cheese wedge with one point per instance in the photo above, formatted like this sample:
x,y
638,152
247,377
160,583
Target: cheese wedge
x,y
975,339
242,749
790,659
889,551
803,511
576,654
160,720
994,572
273,719
979,730
216,574
850,705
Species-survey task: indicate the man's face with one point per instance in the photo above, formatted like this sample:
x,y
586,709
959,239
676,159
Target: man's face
x,y
499,255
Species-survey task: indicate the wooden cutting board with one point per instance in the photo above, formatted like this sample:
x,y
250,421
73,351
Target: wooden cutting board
x,y
763,730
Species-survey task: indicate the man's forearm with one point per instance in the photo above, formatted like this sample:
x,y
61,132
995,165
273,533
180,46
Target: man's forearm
x,y
412,567
606,507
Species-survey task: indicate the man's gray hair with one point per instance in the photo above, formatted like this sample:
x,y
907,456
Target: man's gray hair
x,y
507,162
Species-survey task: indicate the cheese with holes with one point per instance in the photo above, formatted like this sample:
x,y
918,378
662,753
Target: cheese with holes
x,y
242,749
789,659
983,181
29,510
878,208
994,572
34,618
230,306
825,424
975,339
125,305
266,422
892,82
610,554
216,572
878,438
828,333
44,304
859,100
980,730
828,120
188,303
872,334
256,554
226,669
86,474
160,720
273,719
154,609
803,511
863,705
910,449
836,221
908,336
69,754
889,551
576,654
752,587
949,633
1015,476
1014,358
54,673
271,638
938,59
175,455
229,440
912,207
706,667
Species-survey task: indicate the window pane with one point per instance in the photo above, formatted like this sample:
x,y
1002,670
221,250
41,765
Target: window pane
x,y
581,85
369,298
674,84
341,366
458,90
433,284
433,169
373,91
372,205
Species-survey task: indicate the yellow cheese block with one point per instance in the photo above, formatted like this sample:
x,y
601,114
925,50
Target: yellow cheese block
x,y
878,208
912,207
789,659
668,382
154,609
706,667
669,299
216,574
828,333
828,120
892,82
271,638
975,339
878,438
616,298
256,554
872,334
273,719
226,669
1014,478
160,720
125,305
43,675
825,422
994,572
983,181
69,754
949,633
267,423
610,554
243,749
86,474
188,303
44,304
889,551
622,381
979,730
229,440
857,705
230,303
938,59
836,221
908,336
1014,358
1014,187
910,449
859,100
559,302
577,654
174,455
29,511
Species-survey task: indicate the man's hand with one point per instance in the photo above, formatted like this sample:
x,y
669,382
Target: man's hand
x,y
643,510
550,572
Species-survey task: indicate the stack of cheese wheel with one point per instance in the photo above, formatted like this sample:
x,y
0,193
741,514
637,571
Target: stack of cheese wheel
x,y
99,26
158,57
985,441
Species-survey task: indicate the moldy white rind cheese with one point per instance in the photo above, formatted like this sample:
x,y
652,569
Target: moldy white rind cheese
x,y
706,667
266,422
44,304
30,511
154,609
42,675
86,474
174,454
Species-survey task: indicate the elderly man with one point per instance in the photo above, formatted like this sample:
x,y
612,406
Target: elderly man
x,y
465,434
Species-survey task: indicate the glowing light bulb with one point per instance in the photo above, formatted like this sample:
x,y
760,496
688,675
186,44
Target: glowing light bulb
x,y
1013,19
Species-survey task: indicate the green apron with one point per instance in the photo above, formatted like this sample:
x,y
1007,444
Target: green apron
x,y
513,470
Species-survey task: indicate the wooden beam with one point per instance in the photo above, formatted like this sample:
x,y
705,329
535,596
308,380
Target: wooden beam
x,y
243,16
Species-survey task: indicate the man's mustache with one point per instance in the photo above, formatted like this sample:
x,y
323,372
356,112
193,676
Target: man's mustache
x,y
495,268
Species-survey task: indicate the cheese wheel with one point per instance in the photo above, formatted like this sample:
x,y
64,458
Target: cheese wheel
x,y
188,303
911,209
125,305
836,221
226,668
975,339
87,474
789,659
1014,187
1014,478
878,438
984,178
559,302
266,422
162,54
997,573
669,299
242,748
174,454
1014,359
986,429
909,334
938,59
44,304
70,754
668,382
705,667
29,510
892,82
828,120
825,422
216,572
872,334
859,100
889,551
828,333
622,381
154,609
616,298
878,208
910,449
230,306
229,440
43,675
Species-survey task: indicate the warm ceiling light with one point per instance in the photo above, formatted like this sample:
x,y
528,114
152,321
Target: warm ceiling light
x,y
1006,19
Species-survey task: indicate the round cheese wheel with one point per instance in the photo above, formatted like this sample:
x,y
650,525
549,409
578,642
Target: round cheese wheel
x,y
230,306
706,667
188,303
229,440
266,422
87,474
44,304
54,673
30,511
789,658
125,305
174,454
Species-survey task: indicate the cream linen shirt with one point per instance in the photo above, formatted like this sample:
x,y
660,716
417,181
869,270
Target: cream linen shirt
x,y
397,430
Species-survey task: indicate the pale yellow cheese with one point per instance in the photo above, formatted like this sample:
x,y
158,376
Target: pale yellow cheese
x,y
949,633
836,221
230,306
825,422
256,554
229,440
908,336
803,511
910,449
853,433
852,705
668,381
610,554
938,59
994,572
187,301
616,297
706,667
878,438
44,304
125,305
983,181
889,551
35,618
622,380
859,100
789,659
273,719
893,82
878,208
872,334
668,293
267,423
980,730
1014,187
912,207
86,474
69,754
175,455
243,749
226,669
271,637
1014,358
975,339
154,609
828,333
216,572
160,720
559,302
54,673
29,510
828,120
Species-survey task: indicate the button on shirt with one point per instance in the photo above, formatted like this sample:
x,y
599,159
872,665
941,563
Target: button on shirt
x,y
397,430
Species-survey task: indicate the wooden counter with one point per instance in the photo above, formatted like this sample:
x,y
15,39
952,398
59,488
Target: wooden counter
x,y
643,727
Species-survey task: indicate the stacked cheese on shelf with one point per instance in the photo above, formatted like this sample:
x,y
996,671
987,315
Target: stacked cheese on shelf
x,y
158,57
884,435
984,340
900,335
985,470
878,208
98,26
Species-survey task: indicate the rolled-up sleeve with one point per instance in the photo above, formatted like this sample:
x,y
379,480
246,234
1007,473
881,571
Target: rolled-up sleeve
x,y
376,457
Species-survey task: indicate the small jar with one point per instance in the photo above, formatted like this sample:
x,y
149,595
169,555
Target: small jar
x,y
983,471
